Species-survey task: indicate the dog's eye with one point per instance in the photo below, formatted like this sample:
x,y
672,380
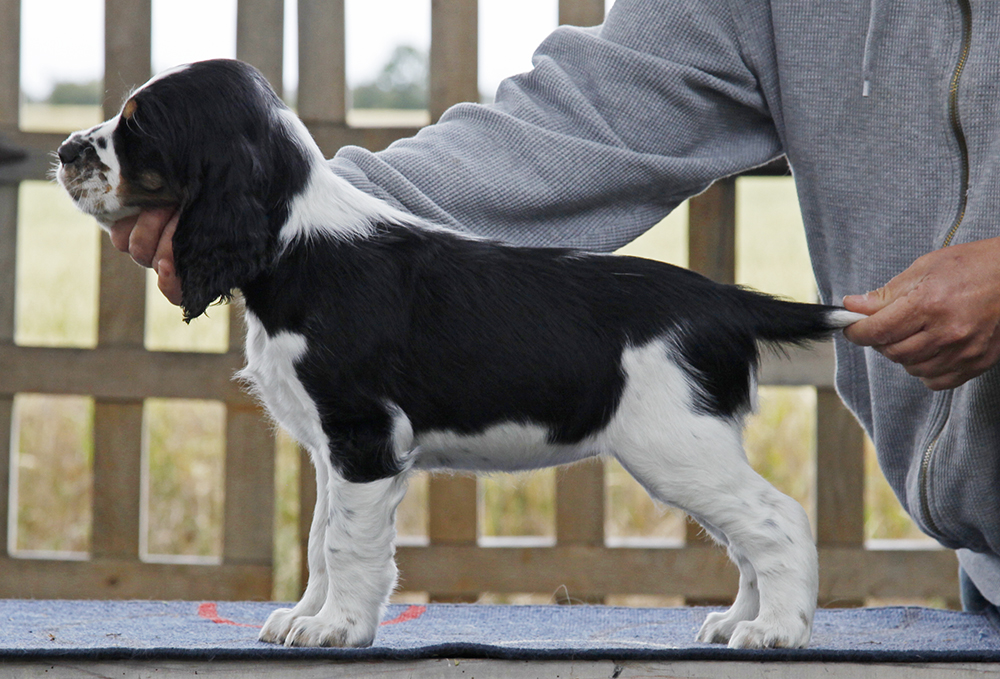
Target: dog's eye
x,y
150,181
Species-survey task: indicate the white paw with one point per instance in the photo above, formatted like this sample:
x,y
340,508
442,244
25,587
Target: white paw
x,y
718,627
786,633
276,628
330,631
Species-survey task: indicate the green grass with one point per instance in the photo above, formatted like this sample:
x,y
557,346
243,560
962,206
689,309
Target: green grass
x,y
56,300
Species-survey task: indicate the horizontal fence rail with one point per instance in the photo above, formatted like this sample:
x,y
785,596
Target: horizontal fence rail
x,y
453,564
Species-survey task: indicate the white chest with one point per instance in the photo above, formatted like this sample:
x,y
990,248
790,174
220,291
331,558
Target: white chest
x,y
270,372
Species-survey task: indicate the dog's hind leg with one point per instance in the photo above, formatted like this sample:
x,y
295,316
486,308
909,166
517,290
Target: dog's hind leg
x,y
279,623
696,462
767,534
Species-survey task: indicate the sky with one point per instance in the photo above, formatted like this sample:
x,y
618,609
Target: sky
x,y
509,32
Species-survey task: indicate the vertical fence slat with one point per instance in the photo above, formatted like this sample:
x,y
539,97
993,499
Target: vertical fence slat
x,y
712,253
580,511
454,60
580,504
127,38
117,471
259,35
322,95
121,311
8,251
712,232
10,62
452,520
249,506
581,12
10,77
454,77
840,479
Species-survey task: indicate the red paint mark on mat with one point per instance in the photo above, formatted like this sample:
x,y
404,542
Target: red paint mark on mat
x,y
210,612
411,613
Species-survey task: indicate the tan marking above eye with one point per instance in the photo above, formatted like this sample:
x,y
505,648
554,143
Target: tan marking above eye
x,y
129,109
150,180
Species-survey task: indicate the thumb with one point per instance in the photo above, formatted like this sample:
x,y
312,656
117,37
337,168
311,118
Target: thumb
x,y
870,302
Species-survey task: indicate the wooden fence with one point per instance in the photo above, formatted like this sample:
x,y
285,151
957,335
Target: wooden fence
x,y
119,373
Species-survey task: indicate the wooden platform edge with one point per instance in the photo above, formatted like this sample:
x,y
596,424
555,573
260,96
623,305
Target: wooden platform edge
x,y
489,669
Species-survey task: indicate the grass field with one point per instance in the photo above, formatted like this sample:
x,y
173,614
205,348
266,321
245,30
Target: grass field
x,y
184,452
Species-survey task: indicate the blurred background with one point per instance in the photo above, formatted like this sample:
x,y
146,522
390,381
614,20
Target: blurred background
x,y
183,457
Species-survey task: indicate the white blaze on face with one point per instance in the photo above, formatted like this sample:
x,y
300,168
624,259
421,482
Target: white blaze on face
x,y
93,177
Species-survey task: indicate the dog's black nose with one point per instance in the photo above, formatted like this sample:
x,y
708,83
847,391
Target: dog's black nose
x,y
70,150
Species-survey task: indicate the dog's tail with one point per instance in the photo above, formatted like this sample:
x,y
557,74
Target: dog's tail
x,y
780,321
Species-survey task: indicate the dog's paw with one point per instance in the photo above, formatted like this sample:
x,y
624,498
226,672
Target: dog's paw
x,y
718,627
276,628
327,631
788,633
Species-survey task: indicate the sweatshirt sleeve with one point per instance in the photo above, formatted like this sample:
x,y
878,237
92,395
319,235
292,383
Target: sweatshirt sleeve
x,y
612,128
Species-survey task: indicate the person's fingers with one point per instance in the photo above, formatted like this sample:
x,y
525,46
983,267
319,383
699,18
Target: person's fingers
x,y
163,263
120,232
146,236
891,324
168,282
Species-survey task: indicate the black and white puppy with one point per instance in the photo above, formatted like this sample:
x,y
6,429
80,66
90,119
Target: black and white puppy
x,y
385,344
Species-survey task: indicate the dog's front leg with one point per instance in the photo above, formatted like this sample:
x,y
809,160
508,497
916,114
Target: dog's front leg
x,y
359,557
279,623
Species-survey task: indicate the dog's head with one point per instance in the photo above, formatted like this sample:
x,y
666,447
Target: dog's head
x,y
212,138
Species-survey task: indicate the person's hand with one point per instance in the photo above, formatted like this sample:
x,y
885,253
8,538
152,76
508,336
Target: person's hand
x,y
939,318
148,238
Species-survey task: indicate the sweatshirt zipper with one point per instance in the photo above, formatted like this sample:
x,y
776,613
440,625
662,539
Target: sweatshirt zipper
x,y
963,149
956,120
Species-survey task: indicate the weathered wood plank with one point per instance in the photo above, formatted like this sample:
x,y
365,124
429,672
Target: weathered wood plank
x,y
127,40
127,579
799,366
120,373
580,503
581,12
840,474
259,37
699,573
452,521
712,232
117,472
6,451
10,62
248,534
454,59
322,95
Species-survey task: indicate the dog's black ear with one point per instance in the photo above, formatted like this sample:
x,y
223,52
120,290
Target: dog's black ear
x,y
224,237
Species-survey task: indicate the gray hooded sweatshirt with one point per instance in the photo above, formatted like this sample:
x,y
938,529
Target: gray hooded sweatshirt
x,y
889,114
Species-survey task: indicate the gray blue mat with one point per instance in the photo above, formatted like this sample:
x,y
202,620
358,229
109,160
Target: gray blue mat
x,y
109,630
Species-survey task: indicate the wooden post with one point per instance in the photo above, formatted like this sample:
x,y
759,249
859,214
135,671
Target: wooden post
x,y
248,531
840,479
454,60
259,36
712,232
453,521
10,63
712,253
454,77
322,95
8,249
581,12
580,513
121,313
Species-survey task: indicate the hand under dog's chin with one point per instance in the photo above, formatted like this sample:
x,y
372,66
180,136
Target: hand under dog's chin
x,y
106,219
